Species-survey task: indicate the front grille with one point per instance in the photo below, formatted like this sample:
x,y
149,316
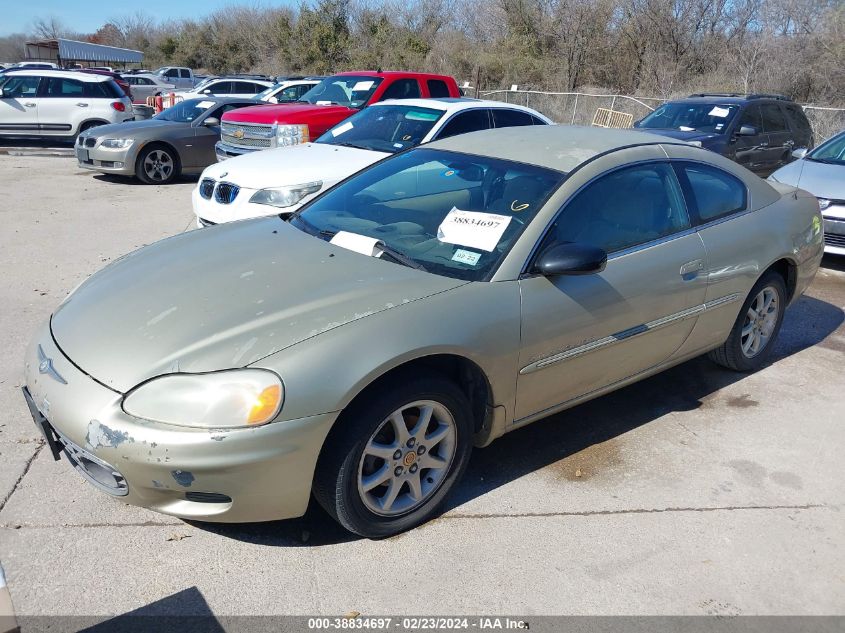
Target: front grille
x,y
226,192
80,140
90,142
832,239
246,141
248,136
98,472
205,222
207,188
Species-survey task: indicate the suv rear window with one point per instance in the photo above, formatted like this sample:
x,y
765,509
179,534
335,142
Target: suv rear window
x,y
797,117
103,90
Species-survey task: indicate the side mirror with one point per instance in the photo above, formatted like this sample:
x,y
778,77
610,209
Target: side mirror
x,y
747,130
571,258
206,91
211,122
799,153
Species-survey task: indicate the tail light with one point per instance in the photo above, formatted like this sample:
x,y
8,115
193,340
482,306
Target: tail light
x,y
119,106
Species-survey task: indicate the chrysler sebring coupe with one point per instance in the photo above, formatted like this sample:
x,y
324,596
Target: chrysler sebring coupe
x,y
360,348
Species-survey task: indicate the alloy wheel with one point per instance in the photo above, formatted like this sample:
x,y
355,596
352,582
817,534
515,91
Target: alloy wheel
x,y
158,165
760,322
407,459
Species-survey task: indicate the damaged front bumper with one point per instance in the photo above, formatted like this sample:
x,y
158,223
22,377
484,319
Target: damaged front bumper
x,y
231,475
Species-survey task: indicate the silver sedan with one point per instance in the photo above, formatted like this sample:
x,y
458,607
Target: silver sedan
x,y
179,140
822,173
437,300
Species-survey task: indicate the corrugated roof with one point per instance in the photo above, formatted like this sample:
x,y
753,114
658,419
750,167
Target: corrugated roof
x,y
72,50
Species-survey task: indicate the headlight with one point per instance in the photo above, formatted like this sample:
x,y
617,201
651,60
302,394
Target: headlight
x,y
696,143
824,203
291,135
284,196
225,399
117,143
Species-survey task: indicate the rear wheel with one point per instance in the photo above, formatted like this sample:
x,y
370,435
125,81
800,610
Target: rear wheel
x,y
395,456
756,328
157,165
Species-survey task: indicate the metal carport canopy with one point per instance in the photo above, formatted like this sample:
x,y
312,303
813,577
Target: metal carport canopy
x,y
73,50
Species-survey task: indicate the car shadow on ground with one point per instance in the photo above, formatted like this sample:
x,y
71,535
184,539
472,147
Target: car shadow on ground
x,y
131,180
686,387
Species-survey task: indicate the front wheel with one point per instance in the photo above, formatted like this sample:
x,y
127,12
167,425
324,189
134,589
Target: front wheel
x,y
756,328
395,456
157,165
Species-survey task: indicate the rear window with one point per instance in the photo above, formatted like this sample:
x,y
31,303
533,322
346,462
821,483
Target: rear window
x,y
438,88
511,118
714,193
103,90
798,118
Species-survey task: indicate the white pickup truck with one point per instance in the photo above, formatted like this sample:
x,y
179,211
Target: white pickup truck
x,y
178,76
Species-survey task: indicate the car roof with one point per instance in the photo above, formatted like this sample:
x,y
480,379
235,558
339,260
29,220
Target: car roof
x,y
65,74
456,104
729,99
559,147
391,73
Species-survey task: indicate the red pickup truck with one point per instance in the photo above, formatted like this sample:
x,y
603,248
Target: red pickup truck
x,y
324,106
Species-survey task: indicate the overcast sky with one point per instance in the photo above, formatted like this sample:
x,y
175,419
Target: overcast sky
x,y
87,16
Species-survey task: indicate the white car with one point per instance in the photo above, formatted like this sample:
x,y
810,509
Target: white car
x,y
228,87
283,179
59,103
147,85
287,91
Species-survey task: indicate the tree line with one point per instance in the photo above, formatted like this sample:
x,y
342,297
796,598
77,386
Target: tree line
x,y
657,48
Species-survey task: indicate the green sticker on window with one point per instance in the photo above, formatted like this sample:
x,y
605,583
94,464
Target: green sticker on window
x,y
422,116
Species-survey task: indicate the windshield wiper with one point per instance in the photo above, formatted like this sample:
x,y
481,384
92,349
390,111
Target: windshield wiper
x,y
826,161
399,257
353,145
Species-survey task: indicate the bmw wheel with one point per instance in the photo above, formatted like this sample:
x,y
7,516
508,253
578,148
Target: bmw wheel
x,y
395,456
157,165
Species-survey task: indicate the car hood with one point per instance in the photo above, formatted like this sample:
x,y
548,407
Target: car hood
x,y
820,179
130,128
293,165
286,113
224,297
681,135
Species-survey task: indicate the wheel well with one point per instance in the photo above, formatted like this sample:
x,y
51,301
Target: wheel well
x,y
789,271
463,372
89,123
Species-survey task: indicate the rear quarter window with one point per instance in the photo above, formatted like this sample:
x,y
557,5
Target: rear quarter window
x,y
438,88
711,193
103,90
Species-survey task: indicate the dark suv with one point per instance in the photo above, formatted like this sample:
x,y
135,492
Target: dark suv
x,y
758,131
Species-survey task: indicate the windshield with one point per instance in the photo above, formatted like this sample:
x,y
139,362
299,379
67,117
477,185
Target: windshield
x,y
450,214
831,151
347,90
185,111
690,117
384,128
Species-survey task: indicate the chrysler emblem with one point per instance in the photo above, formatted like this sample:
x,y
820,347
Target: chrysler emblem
x,y
45,366
238,134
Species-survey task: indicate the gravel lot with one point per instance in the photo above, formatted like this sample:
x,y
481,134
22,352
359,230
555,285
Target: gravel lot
x,y
698,491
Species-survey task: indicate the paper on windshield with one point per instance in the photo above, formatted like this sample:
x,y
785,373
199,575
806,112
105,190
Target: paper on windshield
x,y
719,112
363,85
473,229
323,103
340,129
355,242
202,105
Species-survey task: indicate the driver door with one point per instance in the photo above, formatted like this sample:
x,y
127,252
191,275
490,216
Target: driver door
x,y
583,333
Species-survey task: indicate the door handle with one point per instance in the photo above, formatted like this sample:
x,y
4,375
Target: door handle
x,y
82,105
29,105
692,268
764,144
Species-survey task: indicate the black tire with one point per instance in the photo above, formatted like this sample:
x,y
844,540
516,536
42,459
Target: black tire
x,y
336,481
167,160
731,354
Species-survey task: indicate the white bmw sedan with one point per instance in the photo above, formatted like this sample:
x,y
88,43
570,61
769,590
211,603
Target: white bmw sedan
x,y
281,180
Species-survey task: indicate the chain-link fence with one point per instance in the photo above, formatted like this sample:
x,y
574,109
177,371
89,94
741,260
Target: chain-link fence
x,y
579,108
